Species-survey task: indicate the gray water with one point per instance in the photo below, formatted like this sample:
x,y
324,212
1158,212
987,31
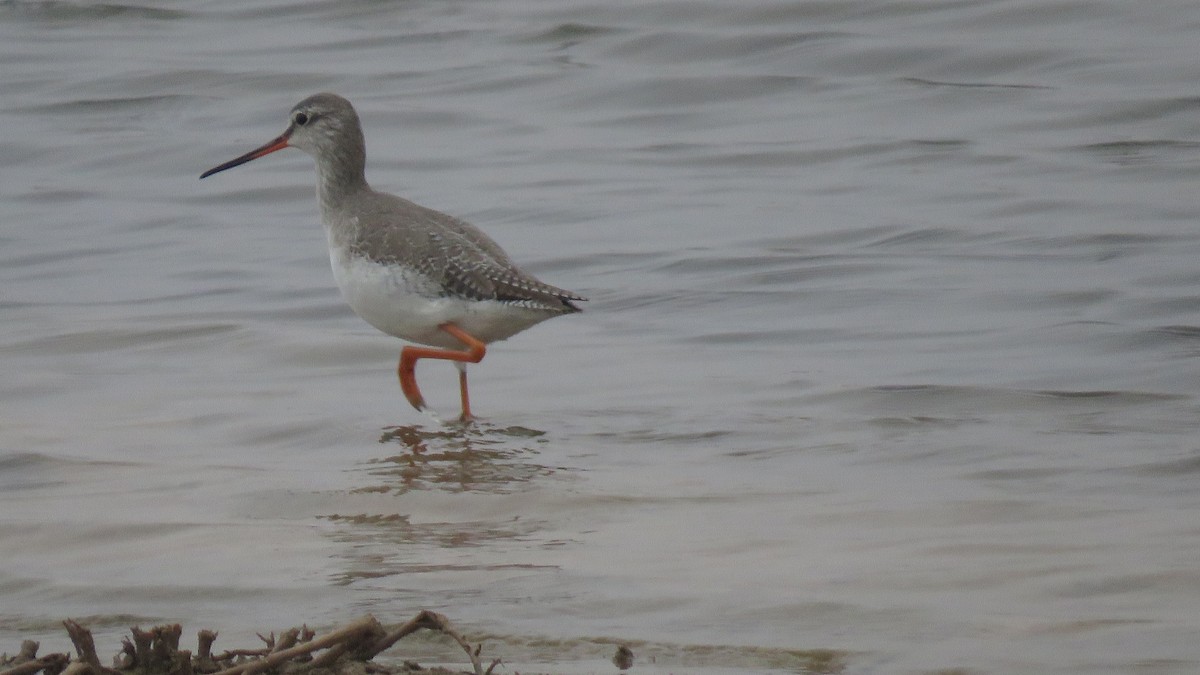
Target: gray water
x,y
892,346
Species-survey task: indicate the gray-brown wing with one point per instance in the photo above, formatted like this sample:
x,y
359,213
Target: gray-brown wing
x,y
454,254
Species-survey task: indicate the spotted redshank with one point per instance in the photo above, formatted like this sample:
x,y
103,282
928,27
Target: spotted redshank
x,y
410,271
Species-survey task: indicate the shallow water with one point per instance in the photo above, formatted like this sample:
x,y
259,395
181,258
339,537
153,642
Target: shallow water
x,y
892,346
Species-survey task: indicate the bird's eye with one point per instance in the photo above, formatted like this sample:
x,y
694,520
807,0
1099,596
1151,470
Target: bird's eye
x,y
300,119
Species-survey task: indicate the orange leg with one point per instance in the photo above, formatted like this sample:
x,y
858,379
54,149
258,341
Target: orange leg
x,y
408,363
462,391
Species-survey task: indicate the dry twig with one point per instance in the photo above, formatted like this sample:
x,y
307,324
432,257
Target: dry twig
x,y
85,646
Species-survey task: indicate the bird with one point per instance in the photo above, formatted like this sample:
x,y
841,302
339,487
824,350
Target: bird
x,y
410,271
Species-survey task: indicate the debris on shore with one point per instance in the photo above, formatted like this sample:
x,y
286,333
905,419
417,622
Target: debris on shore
x,y
298,651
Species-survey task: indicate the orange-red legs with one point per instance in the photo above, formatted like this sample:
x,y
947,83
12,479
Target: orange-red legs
x,y
408,363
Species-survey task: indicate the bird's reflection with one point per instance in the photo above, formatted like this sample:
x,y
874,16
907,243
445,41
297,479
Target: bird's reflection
x,y
473,457
395,524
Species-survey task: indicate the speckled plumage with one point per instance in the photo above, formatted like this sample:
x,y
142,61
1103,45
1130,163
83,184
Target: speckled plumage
x,y
458,258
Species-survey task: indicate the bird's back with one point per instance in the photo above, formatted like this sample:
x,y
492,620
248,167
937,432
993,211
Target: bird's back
x,y
456,257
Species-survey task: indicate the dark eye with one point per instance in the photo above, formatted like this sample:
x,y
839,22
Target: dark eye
x,y
300,119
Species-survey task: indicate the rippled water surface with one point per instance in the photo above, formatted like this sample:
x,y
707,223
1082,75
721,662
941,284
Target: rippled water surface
x,y
892,347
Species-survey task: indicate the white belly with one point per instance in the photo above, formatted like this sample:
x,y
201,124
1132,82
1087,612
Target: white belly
x,y
404,303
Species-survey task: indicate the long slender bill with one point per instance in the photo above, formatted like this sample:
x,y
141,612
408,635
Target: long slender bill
x,y
277,144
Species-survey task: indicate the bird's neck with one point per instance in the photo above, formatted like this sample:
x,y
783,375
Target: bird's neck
x,y
339,178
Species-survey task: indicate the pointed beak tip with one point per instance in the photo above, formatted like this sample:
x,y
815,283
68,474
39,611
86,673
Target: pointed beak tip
x,y
215,169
